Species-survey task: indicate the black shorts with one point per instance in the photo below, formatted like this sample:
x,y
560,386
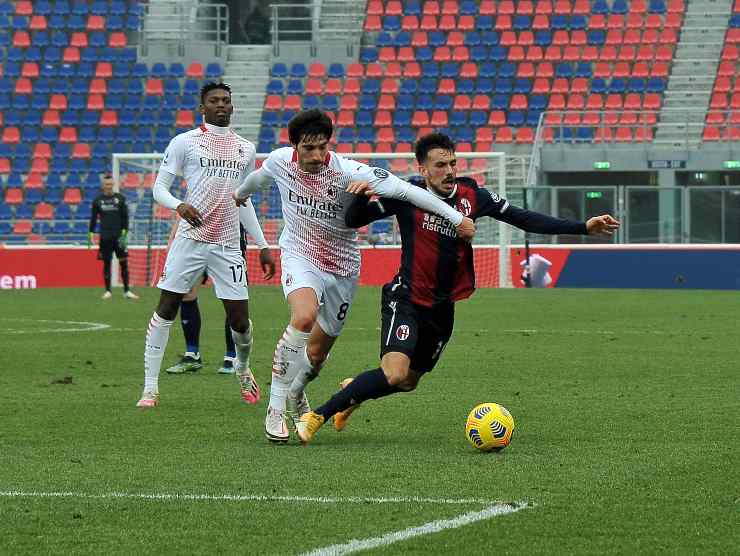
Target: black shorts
x,y
108,246
417,331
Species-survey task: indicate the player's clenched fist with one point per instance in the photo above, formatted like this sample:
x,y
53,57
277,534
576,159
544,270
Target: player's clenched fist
x,y
466,229
605,224
190,214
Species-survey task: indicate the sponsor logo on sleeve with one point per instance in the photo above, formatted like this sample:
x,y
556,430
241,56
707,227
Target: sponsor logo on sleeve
x,y
380,173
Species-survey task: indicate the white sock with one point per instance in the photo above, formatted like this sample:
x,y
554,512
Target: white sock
x,y
285,365
243,346
306,373
156,342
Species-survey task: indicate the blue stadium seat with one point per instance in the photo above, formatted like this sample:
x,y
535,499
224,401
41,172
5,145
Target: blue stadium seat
x,y
522,85
437,38
507,69
430,69
213,70
735,20
409,86
564,69
465,87
458,118
114,23
425,102
583,69
500,102
336,71
413,7
32,54
310,102
139,71
559,22
497,54
521,23
636,85
485,86
504,85
427,86
368,102
424,54
403,102
478,118
472,38
598,85
384,39
542,37
346,135
364,118
158,70
468,7
655,85
450,70
537,102
330,103
533,118
298,70
295,87
484,23
391,23
619,7
371,86
402,118
403,38
366,135
76,22
578,22
617,85
368,55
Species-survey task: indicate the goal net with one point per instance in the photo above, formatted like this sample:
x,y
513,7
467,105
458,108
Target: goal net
x,y
151,224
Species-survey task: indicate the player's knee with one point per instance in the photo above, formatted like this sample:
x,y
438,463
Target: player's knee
x,y
304,320
168,305
239,323
400,377
316,356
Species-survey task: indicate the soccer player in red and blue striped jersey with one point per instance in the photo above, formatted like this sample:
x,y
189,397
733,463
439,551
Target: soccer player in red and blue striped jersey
x,y
418,305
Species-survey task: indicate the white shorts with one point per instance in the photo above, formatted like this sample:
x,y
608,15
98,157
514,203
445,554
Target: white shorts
x,y
335,293
187,259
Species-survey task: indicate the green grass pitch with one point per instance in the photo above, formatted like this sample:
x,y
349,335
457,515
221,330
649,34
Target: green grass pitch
x,y
627,405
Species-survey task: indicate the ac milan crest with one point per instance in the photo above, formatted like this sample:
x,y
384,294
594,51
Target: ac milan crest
x,y
289,280
402,332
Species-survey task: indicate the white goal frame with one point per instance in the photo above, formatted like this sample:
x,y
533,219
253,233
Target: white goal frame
x,y
498,167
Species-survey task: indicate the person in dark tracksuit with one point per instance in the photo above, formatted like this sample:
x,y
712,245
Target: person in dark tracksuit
x,y
111,209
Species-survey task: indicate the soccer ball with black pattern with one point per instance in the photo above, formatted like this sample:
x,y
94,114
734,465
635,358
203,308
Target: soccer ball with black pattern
x,y
489,427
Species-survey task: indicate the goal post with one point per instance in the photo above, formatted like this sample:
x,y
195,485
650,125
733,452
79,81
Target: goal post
x,y
150,224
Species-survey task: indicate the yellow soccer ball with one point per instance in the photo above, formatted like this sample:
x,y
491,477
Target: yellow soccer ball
x,y
489,427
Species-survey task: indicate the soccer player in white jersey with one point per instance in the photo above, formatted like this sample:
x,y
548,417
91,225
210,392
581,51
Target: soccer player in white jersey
x,y
214,161
320,258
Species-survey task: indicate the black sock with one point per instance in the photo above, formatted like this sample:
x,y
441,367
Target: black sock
x,y
124,273
369,385
106,273
190,318
230,347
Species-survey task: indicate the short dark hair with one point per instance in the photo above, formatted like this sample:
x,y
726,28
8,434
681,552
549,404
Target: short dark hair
x,y
212,86
309,123
432,141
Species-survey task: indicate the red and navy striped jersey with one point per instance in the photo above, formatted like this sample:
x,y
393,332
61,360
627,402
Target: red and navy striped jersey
x,y
435,263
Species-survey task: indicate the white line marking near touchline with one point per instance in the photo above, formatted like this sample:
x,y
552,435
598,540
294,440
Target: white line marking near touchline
x,y
426,529
165,497
78,326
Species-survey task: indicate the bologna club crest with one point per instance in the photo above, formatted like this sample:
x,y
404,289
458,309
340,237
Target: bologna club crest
x,y
402,332
465,207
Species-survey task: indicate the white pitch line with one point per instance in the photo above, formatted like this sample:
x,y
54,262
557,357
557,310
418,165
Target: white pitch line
x,y
166,497
81,326
426,529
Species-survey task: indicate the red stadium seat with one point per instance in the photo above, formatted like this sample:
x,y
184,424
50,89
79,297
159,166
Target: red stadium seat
x,y
439,118
603,135
428,23
556,102
504,135
524,7
13,196
389,86
469,70
95,23
632,101
39,166
104,70
525,70
68,135
97,87
615,21
627,53
668,37
30,69
621,69
23,86
431,7
348,102
503,22
317,69
154,87
374,7
613,101
387,54
5,166
419,38
72,196
508,38
442,54
634,21
117,40
659,69
185,118
497,118
487,7
579,85
534,54
71,55
731,134
38,23
374,70
649,37
715,117
553,54
313,87
333,87
23,7
597,21
346,118
78,39
446,87
21,39
420,118
455,38
131,180
525,135
383,118
42,150
594,102
273,102
673,21
540,86
516,54
460,54
95,102
518,102
34,180
506,7
51,118
540,22
386,135
481,102
484,135
109,118
292,102
352,86
466,23
406,54
195,71
545,69
11,135
638,7
561,37
22,227
590,53
651,101
675,7
591,119
711,133
643,134
43,211
450,7
462,102
410,23
373,23
623,135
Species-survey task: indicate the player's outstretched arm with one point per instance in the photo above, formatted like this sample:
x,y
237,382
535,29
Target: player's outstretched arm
x,y
255,181
161,194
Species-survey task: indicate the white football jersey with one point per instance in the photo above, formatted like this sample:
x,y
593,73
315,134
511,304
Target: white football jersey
x,y
214,161
314,206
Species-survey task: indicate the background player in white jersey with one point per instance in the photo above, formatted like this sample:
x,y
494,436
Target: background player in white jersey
x,y
214,161
320,257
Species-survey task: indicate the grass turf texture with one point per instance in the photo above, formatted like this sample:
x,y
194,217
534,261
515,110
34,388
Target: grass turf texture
x,y
627,439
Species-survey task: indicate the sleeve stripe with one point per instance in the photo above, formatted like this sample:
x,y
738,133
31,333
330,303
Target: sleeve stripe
x,y
503,208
